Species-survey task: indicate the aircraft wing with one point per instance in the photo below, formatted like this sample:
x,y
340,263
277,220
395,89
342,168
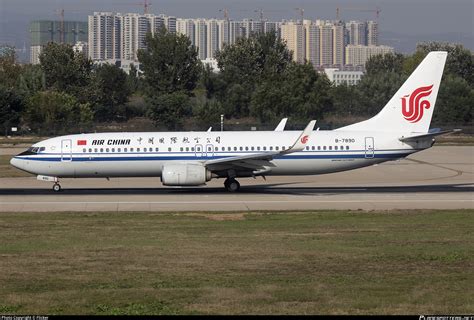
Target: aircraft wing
x,y
428,135
259,161
281,125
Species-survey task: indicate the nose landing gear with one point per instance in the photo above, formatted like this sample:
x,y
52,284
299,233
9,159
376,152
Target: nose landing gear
x,y
56,187
231,185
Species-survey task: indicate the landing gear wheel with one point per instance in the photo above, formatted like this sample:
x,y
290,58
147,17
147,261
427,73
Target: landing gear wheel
x,y
56,187
232,185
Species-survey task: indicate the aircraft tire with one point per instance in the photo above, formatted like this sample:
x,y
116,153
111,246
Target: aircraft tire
x,y
232,185
56,187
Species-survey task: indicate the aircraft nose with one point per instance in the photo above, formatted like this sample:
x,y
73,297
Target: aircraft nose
x,y
14,162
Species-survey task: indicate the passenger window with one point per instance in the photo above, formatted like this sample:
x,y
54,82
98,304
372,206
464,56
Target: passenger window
x,y
181,149
264,148
42,148
277,148
241,148
258,148
124,149
253,148
131,149
95,150
187,149
90,150
119,149
330,147
246,148
229,148
235,148
84,150
319,147
335,148
324,148
156,149
138,149
192,149
101,150
169,149
312,148
113,149
270,148
306,148
347,147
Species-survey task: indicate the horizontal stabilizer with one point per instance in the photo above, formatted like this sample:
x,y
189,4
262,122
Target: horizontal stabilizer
x,y
428,135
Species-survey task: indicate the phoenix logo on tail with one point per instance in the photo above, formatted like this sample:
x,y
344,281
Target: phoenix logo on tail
x,y
414,111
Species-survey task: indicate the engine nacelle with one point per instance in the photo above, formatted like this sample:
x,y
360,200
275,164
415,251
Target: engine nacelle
x,y
185,175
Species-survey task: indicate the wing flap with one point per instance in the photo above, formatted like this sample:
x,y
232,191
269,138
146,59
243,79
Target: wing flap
x,y
428,135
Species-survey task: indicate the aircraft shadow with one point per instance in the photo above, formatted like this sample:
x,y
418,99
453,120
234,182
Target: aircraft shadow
x,y
269,189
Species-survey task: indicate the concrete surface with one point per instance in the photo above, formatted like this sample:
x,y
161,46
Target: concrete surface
x,y
438,178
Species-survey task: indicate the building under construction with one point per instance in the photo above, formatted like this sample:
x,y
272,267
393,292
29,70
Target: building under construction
x,y
44,31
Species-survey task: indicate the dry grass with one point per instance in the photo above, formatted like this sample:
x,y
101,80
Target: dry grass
x,y
309,263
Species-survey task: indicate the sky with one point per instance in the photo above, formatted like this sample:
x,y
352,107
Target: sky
x,y
402,23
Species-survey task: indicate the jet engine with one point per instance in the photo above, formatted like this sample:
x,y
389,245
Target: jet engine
x,y
185,175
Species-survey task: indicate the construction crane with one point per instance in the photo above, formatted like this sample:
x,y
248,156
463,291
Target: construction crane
x,y
226,13
260,12
60,13
145,4
377,11
301,11
62,31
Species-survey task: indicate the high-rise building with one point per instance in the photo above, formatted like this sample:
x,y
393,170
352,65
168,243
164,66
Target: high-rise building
x,y
224,32
186,27
358,55
155,23
270,26
325,43
251,27
235,31
134,28
104,36
372,33
200,36
212,37
357,32
169,22
338,44
312,42
44,31
294,36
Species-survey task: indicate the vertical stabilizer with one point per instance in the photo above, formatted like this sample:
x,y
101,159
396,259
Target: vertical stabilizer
x,y
411,108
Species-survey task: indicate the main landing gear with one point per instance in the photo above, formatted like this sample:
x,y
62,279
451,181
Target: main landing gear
x,y
56,187
232,185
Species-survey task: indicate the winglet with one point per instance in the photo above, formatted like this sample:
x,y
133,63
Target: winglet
x,y
281,125
210,129
303,138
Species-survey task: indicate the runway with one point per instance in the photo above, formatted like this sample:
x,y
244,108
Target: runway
x,y
439,178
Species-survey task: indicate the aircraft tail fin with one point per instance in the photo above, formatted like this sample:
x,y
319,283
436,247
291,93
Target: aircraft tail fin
x,y
411,108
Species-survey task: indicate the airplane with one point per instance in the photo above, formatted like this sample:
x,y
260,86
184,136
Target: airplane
x,y
401,128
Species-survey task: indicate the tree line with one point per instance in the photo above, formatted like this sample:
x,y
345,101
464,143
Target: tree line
x,y
258,80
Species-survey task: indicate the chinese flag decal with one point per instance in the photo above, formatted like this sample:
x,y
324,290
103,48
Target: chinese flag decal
x,y
81,142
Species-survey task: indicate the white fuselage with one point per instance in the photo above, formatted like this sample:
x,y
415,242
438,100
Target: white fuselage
x,y
145,154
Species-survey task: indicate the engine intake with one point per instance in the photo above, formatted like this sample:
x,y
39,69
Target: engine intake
x,y
185,175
